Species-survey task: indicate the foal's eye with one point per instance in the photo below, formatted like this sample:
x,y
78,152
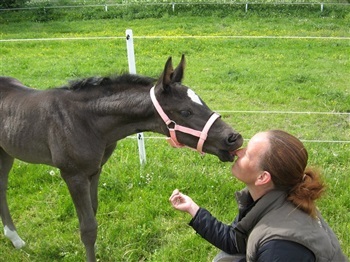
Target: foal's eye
x,y
185,113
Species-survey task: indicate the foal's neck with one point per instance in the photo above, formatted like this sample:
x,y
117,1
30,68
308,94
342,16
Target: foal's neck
x,y
124,113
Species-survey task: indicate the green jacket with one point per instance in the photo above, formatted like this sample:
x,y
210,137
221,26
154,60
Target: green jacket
x,y
274,217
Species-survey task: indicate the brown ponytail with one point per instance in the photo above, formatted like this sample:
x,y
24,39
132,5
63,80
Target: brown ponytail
x,y
304,194
286,161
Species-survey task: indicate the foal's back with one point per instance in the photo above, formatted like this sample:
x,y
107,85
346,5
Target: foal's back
x,y
13,92
29,119
10,84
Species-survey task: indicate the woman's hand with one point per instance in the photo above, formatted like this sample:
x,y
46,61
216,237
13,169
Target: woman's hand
x,y
183,203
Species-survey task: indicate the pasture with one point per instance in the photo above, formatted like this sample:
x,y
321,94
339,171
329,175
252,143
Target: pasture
x,y
290,73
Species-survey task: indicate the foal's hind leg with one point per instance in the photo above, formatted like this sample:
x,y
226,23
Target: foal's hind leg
x,y
93,190
10,232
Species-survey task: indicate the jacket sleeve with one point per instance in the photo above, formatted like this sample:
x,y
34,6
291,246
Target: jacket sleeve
x,y
215,232
284,250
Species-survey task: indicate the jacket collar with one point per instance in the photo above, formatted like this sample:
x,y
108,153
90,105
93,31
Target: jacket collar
x,y
262,206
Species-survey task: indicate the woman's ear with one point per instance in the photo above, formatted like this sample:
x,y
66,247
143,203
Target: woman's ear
x,y
263,179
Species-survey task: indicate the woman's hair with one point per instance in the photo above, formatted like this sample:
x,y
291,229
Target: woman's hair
x,y
286,161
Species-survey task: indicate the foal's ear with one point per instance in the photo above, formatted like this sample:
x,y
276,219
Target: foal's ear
x,y
166,78
179,70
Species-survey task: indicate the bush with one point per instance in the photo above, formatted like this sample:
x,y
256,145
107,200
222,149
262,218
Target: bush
x,y
46,11
12,3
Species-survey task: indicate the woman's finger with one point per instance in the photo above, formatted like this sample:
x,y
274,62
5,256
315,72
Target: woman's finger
x,y
175,192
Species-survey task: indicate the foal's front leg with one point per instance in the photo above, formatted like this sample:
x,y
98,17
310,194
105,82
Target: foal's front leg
x,y
79,188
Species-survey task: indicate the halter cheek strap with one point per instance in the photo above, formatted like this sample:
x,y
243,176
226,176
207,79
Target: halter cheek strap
x,y
173,127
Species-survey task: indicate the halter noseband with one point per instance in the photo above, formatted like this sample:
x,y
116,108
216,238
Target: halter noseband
x,y
173,127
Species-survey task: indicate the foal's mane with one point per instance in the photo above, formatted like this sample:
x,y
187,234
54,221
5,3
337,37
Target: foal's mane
x,y
117,80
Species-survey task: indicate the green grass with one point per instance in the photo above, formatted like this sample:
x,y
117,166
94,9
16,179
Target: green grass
x,y
136,222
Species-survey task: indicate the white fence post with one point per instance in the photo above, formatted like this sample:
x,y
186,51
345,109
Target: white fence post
x,y
132,70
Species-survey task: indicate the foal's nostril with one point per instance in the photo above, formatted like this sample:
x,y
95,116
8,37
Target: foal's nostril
x,y
232,138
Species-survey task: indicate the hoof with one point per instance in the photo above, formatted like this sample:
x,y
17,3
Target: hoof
x,y
19,243
14,237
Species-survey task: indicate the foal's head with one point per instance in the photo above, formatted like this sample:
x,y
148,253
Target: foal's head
x,y
184,108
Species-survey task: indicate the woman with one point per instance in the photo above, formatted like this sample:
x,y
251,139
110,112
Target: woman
x,y
278,219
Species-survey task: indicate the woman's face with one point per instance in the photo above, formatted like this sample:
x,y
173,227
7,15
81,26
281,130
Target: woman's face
x,y
246,167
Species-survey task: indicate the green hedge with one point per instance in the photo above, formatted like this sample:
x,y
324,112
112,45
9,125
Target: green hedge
x,y
48,12
12,3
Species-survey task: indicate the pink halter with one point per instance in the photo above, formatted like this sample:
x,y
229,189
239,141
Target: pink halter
x,y
172,130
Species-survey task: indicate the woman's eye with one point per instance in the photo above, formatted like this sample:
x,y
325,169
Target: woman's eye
x,y
185,113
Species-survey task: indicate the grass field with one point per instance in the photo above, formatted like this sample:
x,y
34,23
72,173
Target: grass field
x,y
261,70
